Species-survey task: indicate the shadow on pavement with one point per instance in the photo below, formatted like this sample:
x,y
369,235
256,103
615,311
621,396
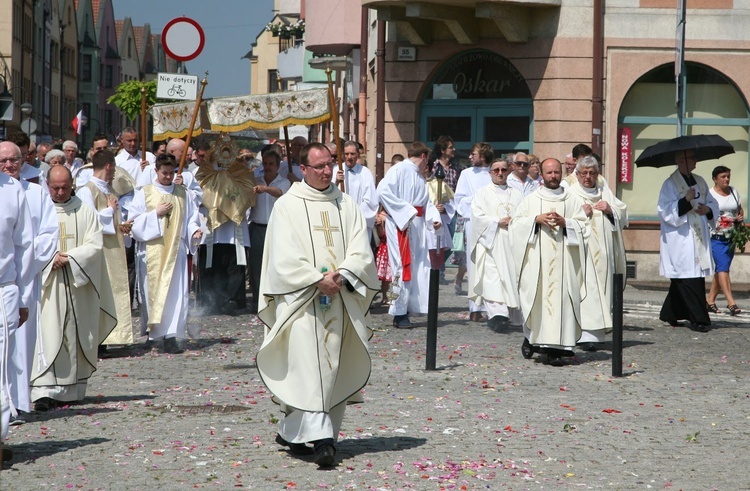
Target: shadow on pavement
x,y
203,343
239,366
67,412
355,447
29,452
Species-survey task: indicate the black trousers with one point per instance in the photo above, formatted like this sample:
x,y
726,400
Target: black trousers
x,y
224,281
686,300
257,241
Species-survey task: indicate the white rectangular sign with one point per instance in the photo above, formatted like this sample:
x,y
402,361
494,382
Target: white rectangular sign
x,y
406,53
177,86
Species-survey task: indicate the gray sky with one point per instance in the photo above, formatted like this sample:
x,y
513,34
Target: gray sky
x,y
230,27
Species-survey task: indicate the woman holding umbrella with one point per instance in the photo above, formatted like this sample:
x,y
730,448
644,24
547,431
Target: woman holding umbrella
x,y
730,214
685,209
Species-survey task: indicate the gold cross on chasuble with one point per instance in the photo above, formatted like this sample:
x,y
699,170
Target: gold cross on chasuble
x,y
326,228
63,242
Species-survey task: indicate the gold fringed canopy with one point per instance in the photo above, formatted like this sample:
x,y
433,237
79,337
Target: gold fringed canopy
x,y
269,111
173,120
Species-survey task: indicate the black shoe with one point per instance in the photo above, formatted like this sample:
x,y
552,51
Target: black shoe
x,y
102,353
527,349
229,308
171,347
498,323
402,322
588,346
555,360
698,327
295,448
7,454
325,452
44,404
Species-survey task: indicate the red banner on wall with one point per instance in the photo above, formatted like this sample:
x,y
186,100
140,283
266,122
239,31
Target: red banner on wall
x,y
625,152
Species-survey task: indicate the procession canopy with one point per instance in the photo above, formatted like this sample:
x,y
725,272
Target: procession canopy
x,y
173,120
269,111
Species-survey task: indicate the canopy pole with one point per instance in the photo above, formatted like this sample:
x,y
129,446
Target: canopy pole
x,y
197,108
143,121
335,116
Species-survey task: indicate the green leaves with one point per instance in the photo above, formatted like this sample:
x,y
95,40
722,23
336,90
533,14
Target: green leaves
x,y
127,97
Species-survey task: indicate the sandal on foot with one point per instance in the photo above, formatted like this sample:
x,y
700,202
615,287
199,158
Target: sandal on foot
x,y
733,309
711,307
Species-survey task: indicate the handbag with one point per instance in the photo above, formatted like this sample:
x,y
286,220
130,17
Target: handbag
x,y
458,242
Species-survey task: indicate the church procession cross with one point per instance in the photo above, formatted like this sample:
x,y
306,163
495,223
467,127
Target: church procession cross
x,y
64,238
326,228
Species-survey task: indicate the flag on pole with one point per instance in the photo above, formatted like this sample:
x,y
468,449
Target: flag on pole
x,y
78,123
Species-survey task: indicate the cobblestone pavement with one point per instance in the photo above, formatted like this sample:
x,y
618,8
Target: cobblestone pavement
x,y
486,419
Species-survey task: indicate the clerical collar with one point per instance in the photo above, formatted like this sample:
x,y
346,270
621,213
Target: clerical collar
x,y
592,191
169,188
99,181
500,186
553,192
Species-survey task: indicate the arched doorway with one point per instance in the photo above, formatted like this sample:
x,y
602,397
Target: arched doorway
x,y
714,105
478,95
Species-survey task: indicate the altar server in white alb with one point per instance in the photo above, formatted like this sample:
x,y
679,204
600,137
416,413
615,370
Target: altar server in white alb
x,y
317,282
548,233
16,271
469,182
358,183
404,196
494,282
44,226
605,251
166,227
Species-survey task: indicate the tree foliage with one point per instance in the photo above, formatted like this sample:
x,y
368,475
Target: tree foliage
x,y
127,97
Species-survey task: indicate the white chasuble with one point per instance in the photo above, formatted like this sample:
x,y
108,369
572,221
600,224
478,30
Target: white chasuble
x,y
550,260
605,256
161,257
78,310
490,247
114,257
313,358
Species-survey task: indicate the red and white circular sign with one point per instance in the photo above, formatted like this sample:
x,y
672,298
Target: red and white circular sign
x,y
183,38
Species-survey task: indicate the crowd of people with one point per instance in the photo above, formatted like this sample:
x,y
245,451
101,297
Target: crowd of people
x,y
89,246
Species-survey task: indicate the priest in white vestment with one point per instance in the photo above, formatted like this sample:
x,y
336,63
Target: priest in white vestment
x,y
548,235
45,231
166,227
404,197
493,283
358,183
470,181
16,271
99,195
686,210
78,310
317,282
605,251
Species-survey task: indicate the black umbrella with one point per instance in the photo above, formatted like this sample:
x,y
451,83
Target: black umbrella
x,y
705,147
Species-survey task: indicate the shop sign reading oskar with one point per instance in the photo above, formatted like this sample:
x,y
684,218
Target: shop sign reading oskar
x,y
183,39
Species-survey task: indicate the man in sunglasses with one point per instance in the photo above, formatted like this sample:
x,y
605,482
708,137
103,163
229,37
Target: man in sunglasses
x,y
519,177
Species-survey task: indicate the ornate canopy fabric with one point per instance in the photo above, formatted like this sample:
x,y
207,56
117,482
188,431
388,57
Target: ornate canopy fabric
x,y
173,120
269,111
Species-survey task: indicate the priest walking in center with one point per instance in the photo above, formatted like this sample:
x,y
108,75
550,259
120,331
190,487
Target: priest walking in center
x,y
548,233
317,281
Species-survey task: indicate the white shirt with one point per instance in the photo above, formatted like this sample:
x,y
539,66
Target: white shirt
x,y
526,188
132,163
360,185
470,181
264,202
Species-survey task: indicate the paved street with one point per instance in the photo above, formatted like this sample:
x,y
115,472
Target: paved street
x,y
487,419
